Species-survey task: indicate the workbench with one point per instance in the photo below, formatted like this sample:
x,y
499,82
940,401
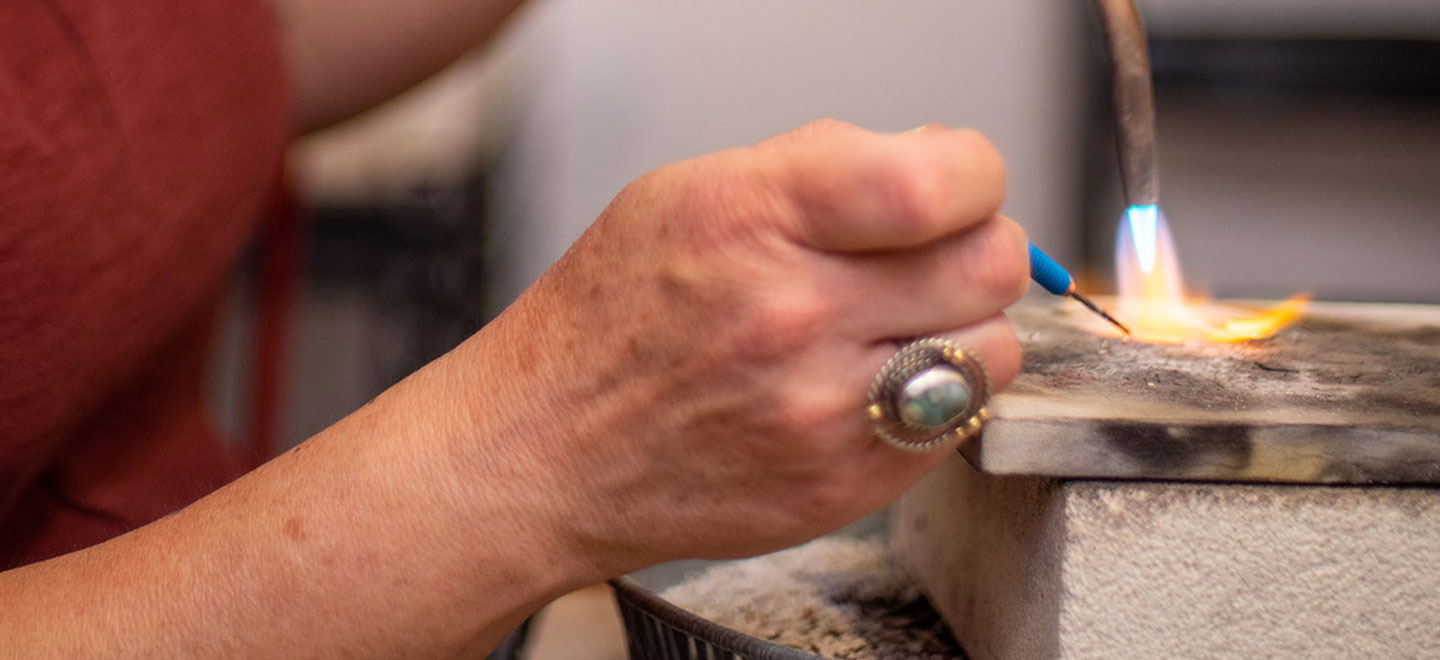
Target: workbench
x,y
1269,499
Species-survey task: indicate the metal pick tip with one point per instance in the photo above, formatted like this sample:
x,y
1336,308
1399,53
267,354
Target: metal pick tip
x,y
1095,308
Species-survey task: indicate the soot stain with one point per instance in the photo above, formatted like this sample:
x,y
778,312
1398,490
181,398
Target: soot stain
x,y
1399,402
1425,335
1174,448
1322,363
1276,369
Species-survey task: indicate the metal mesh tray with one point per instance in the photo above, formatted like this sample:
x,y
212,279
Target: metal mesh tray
x,y
656,629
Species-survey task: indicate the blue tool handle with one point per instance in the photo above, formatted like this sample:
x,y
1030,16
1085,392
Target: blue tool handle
x,y
1049,275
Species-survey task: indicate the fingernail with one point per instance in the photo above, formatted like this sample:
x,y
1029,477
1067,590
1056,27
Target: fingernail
x,y
917,129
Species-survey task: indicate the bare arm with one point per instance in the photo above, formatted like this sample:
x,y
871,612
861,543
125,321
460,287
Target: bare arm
x,y
348,55
689,380
406,530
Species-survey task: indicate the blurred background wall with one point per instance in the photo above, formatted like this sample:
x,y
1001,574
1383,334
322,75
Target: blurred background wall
x,y
630,85
1299,146
1299,142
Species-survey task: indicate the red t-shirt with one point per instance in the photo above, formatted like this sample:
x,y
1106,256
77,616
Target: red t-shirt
x,y
139,142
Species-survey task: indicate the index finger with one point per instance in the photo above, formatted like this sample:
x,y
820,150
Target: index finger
x,y
856,190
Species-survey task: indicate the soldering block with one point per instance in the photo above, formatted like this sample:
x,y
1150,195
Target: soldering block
x,y
1040,568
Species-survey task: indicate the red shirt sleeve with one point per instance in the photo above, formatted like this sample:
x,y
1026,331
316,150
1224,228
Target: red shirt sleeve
x,y
139,141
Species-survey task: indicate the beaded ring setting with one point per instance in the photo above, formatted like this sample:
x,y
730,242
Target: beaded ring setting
x,y
929,394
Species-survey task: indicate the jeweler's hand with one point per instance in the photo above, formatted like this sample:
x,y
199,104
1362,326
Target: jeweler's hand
x,y
690,379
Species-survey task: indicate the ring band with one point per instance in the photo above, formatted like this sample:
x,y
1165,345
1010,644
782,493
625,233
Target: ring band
x,y
929,393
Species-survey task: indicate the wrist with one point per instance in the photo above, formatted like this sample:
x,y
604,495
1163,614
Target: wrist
x,y
518,466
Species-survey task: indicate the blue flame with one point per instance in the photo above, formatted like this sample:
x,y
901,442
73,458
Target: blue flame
x,y
1144,220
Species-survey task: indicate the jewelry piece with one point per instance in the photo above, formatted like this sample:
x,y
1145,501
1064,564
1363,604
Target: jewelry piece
x,y
931,392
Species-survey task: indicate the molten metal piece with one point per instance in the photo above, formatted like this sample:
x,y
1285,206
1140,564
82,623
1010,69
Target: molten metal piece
x,y
1152,296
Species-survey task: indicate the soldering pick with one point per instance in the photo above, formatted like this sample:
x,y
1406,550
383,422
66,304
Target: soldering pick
x,y
1053,277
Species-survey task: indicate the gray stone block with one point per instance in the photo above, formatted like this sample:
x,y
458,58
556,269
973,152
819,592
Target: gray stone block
x,y
1040,568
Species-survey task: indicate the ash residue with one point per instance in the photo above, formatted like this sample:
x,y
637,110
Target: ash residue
x,y
1338,357
840,598
1063,356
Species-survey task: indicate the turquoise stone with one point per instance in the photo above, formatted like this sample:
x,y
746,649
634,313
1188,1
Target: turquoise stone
x,y
933,398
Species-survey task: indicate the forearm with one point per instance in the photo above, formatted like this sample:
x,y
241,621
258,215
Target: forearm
x,y
348,55
689,380
396,533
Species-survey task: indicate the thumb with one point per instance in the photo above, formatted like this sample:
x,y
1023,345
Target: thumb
x,y
857,190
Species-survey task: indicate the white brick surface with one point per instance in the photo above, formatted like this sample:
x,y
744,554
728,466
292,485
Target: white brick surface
x,y
1034,568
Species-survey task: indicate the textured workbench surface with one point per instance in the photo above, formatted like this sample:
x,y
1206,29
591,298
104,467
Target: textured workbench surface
x,y
1348,394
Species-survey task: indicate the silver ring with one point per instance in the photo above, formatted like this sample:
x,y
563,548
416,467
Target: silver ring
x,y
930,393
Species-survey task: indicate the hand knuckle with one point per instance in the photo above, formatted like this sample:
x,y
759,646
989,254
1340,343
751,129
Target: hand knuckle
x,y
814,129
914,191
728,203
781,326
804,413
821,126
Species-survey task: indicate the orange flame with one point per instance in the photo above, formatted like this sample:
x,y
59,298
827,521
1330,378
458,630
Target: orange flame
x,y
1152,299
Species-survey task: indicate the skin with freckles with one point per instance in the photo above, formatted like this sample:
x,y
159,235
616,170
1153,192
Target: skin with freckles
x,y
749,299
689,380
